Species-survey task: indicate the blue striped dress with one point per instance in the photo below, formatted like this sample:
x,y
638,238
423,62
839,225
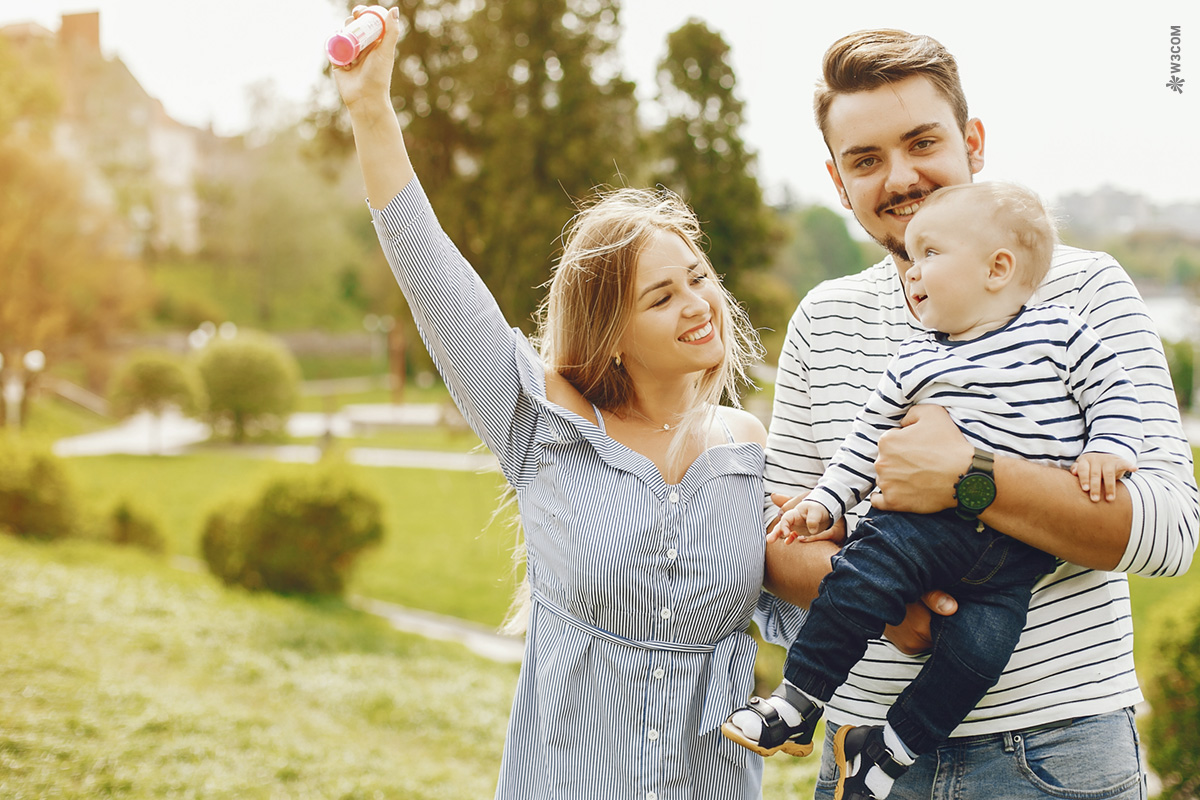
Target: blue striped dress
x,y
642,590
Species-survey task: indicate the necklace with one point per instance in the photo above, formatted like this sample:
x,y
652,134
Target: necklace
x,y
665,426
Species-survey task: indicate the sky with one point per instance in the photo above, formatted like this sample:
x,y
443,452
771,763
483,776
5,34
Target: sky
x,y
1073,95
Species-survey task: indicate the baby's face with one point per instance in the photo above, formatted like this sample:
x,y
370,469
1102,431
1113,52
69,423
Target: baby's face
x,y
950,245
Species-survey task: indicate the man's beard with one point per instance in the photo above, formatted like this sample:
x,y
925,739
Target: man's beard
x,y
889,242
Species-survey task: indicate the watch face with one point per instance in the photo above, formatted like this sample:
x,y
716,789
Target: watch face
x,y
976,491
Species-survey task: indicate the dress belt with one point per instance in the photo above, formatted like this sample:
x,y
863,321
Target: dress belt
x,y
731,674
608,636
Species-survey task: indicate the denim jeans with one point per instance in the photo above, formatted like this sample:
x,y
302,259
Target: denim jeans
x,y
1092,758
892,560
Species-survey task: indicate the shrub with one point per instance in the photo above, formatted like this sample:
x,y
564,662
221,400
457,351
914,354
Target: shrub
x,y
37,501
154,381
129,526
300,536
252,382
1173,729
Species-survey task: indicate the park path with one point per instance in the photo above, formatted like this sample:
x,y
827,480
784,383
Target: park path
x,y
175,435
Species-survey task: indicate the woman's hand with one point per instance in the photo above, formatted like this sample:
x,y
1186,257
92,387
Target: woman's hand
x,y
369,77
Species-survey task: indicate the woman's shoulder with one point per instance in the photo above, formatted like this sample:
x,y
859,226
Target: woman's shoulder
x,y
744,426
563,393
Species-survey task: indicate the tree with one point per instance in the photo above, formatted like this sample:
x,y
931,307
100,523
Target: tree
x,y
154,382
252,382
275,217
699,153
65,281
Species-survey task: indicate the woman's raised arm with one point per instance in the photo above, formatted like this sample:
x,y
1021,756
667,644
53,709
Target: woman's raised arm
x,y
365,86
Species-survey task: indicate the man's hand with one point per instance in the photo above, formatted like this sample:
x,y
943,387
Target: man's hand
x,y
912,637
920,462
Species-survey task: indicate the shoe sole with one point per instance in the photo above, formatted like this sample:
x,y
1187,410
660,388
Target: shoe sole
x,y
839,755
734,734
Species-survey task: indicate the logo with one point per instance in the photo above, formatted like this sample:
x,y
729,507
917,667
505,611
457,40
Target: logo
x,y
1176,64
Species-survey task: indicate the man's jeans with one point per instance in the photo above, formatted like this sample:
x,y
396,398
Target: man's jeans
x,y
1092,758
892,560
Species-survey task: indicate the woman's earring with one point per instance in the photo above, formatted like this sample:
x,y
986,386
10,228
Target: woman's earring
x,y
617,360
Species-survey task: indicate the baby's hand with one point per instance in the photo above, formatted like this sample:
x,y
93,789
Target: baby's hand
x,y
1098,474
807,522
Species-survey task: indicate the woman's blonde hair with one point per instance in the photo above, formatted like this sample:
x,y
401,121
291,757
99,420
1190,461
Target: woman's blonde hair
x,y
591,300
590,303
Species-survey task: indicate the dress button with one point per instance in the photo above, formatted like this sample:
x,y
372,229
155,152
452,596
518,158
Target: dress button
x,y
674,498
651,796
672,553
658,673
652,734
665,613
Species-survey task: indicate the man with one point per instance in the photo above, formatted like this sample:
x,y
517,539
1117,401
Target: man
x,y
893,114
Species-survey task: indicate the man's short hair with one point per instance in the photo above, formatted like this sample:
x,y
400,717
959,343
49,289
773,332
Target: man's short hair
x,y
869,59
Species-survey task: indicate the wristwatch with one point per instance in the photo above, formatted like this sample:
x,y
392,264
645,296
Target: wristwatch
x,y
976,488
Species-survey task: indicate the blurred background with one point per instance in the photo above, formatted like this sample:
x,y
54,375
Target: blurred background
x,y
205,355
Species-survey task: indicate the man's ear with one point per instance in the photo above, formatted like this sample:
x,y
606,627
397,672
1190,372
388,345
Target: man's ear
x,y
1002,269
975,138
837,181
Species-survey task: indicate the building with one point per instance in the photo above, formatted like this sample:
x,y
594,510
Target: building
x,y
133,157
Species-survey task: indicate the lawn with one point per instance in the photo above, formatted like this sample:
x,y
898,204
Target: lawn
x,y
125,678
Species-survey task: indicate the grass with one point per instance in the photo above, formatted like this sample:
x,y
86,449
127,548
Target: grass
x,y
124,678
439,552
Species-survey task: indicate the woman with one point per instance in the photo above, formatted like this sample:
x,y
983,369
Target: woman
x,y
641,500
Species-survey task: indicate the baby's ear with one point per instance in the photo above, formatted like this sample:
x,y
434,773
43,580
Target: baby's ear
x,y
1003,268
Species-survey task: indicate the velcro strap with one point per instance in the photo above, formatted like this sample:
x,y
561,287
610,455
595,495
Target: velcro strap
x,y
876,751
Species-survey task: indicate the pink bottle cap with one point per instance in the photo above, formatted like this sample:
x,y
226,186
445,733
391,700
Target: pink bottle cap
x,y
342,49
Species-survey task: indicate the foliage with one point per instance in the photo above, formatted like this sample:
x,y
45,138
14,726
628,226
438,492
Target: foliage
x,y
1181,359
283,229
154,381
301,535
131,526
1173,730
700,154
252,383
37,499
29,93
65,278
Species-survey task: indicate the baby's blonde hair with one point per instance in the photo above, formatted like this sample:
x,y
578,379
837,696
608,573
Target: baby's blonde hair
x,y
1019,217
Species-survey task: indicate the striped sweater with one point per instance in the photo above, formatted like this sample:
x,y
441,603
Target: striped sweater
x,y
1075,656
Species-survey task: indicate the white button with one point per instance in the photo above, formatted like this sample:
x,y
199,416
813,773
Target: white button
x,y
674,498
665,613
652,734
672,553
651,796
658,673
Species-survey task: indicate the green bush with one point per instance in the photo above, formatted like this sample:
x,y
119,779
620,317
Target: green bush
x,y
154,381
37,501
1173,729
300,536
130,526
252,382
